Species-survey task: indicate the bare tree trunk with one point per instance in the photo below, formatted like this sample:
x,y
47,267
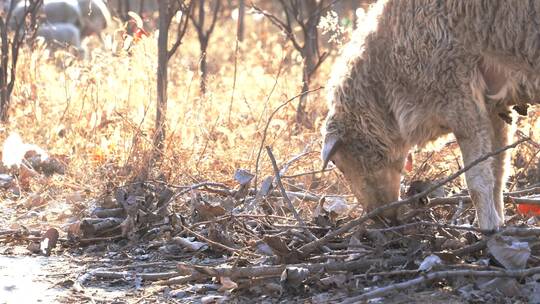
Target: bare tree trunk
x,y
204,33
159,136
310,54
203,65
24,31
4,94
241,14
141,8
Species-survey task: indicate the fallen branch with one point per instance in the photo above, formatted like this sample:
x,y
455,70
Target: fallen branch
x,y
525,200
510,231
100,239
151,276
287,200
276,270
299,195
533,189
439,275
113,212
19,232
308,173
181,280
409,272
310,247
94,226
513,231
225,190
215,244
287,164
433,224
467,199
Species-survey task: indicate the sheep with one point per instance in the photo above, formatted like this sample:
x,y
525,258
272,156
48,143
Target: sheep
x,y
95,17
61,34
55,11
416,70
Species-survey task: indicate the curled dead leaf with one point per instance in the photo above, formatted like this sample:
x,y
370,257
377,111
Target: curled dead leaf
x,y
508,251
227,284
243,177
189,244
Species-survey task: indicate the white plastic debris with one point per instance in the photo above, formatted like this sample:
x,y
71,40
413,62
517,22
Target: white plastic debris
x,y
429,262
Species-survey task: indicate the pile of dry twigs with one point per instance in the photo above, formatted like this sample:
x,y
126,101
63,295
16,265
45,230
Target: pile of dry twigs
x,y
229,243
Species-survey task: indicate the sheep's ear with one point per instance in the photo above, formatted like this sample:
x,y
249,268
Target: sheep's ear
x,y
330,146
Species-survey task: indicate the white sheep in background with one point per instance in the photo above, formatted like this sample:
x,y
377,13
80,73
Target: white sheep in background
x,y
61,35
96,17
55,11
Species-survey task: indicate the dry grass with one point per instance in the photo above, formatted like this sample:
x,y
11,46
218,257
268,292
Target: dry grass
x,y
99,114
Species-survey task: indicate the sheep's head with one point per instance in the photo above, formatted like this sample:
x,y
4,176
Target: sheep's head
x,y
373,177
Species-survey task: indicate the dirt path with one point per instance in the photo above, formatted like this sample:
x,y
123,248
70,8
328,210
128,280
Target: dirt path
x,y
39,279
25,279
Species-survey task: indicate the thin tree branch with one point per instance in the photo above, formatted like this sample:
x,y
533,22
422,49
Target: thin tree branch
x,y
286,197
439,275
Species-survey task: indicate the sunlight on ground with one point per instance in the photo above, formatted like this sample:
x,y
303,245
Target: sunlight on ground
x,y
22,280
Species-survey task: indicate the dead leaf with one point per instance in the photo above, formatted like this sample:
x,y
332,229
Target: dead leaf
x,y
75,197
448,257
533,292
227,284
266,186
320,216
219,234
189,244
128,228
50,166
508,251
278,245
25,176
34,200
263,248
165,196
354,243
508,287
205,210
335,280
74,230
272,289
5,180
243,177
213,299
451,244
34,248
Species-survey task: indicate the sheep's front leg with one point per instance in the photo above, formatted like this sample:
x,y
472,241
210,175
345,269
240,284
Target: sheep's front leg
x,y
502,133
474,134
